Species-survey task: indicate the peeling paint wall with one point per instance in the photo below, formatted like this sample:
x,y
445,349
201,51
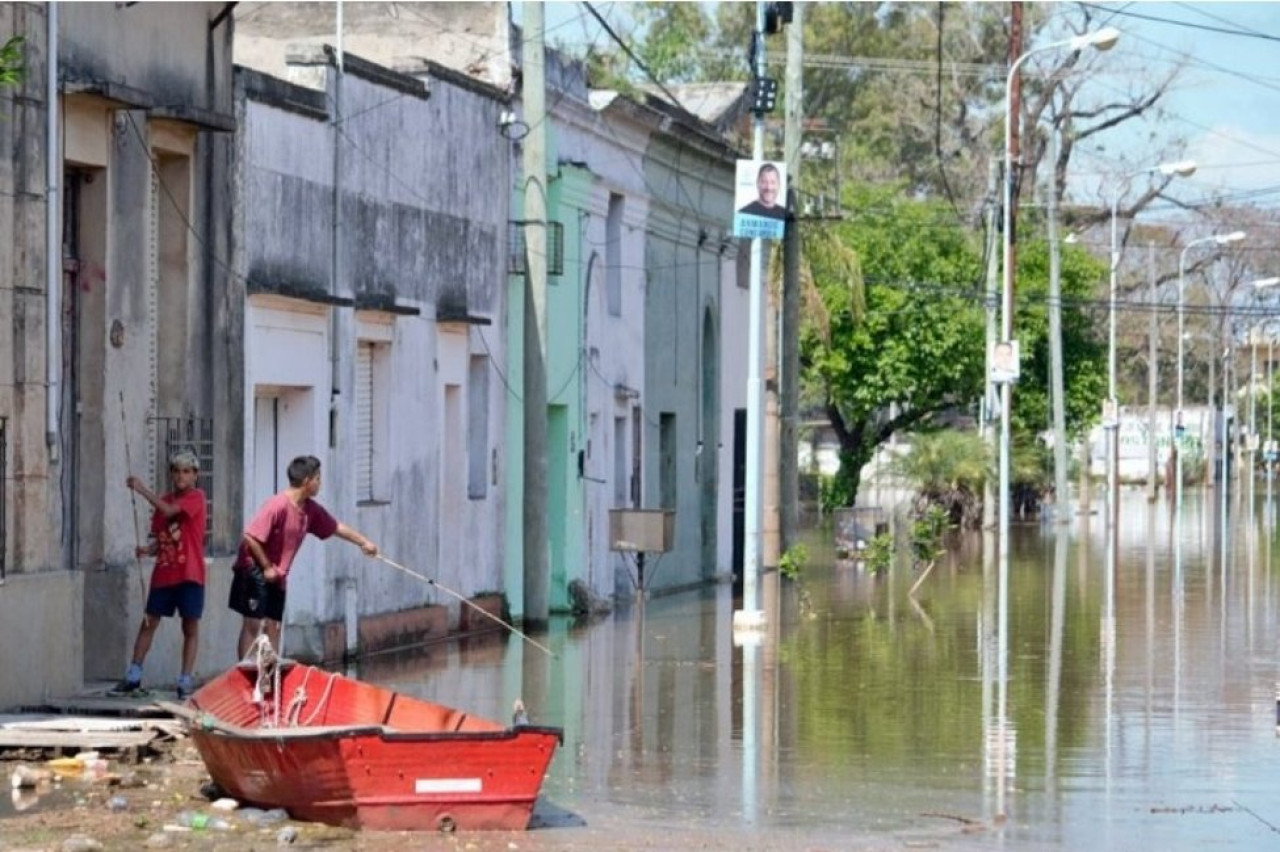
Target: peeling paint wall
x,y
421,241
692,187
144,90
598,310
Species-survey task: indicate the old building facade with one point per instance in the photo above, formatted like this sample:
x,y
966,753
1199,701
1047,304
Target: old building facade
x,y
109,356
312,253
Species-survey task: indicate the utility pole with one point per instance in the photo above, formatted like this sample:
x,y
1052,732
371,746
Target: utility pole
x,y
992,302
1010,265
1153,352
789,487
1055,348
751,616
534,162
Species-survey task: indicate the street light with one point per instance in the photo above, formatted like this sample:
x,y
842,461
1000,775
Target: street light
x,y
1102,39
1181,168
1220,240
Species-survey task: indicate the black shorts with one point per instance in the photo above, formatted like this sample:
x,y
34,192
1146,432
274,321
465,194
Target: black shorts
x,y
253,597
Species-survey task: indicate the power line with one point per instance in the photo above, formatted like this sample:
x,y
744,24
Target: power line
x,y
1187,24
626,48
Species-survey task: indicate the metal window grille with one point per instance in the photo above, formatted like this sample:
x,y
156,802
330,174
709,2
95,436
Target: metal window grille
x,y
190,433
516,246
364,420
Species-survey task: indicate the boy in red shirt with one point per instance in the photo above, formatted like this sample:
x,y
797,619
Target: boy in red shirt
x,y
270,543
177,581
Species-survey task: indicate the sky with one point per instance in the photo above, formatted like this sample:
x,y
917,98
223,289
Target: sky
x,y
1226,103
1225,107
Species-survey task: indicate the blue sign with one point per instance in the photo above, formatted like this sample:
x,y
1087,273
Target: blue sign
x,y
751,227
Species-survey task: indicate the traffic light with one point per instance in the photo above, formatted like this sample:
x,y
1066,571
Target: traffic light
x,y
775,15
764,95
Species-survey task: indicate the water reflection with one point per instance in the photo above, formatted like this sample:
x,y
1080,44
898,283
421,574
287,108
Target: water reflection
x,y
1129,701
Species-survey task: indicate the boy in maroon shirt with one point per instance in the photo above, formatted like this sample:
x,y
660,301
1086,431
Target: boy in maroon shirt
x,y
270,543
177,581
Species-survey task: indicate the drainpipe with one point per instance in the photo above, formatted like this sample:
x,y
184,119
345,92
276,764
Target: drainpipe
x,y
53,242
335,258
350,600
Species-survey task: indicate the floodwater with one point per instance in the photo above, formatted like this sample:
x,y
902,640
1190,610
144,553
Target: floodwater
x,y
1118,693
1125,699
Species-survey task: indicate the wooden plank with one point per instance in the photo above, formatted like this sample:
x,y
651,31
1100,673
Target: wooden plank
x,y
45,722
104,706
75,739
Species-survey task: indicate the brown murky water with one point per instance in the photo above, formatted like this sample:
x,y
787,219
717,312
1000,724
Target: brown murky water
x,y
1135,713
1128,702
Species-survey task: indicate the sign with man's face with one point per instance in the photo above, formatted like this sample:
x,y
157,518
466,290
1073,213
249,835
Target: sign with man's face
x,y
760,199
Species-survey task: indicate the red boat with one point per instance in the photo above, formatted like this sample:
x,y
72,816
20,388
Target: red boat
x,y
331,749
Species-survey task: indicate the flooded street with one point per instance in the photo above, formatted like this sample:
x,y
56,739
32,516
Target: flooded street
x,y
1139,712
1125,700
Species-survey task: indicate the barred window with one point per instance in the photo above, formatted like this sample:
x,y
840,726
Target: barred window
x,y
173,434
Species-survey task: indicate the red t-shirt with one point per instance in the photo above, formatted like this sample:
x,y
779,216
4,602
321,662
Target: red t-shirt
x,y
281,525
179,540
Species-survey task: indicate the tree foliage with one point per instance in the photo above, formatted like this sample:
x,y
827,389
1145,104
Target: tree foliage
x,y
12,62
919,346
948,470
914,94
1083,351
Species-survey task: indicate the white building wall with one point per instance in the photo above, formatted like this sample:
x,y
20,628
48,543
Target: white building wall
x,y
611,146
419,233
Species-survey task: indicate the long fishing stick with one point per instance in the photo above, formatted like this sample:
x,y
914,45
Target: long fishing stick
x,y
133,498
535,643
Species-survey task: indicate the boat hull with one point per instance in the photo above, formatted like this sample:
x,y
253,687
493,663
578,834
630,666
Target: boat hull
x,y
364,757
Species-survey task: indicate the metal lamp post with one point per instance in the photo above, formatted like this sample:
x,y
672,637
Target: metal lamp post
x,y
1102,39
1182,168
1221,240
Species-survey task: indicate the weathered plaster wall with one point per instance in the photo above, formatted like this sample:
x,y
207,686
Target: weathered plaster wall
x,y
692,191
607,146
420,237
147,70
167,50
470,37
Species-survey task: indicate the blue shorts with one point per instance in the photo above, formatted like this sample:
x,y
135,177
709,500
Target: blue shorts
x,y
187,599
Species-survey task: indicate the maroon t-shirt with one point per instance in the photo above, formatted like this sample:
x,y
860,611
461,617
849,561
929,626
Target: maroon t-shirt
x,y
281,525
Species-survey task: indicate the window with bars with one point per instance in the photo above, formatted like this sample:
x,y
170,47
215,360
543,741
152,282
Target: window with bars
x,y
477,427
372,459
613,254
516,246
172,434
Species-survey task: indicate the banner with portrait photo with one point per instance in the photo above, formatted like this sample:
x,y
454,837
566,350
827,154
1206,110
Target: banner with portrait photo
x,y
760,199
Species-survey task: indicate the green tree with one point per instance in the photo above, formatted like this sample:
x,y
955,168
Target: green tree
x,y
674,37
947,469
919,346
1084,352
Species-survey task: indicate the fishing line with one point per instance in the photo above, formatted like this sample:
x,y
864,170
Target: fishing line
x,y
133,498
478,609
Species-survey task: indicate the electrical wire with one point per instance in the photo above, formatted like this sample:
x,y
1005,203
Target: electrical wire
x,y
1187,24
626,48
